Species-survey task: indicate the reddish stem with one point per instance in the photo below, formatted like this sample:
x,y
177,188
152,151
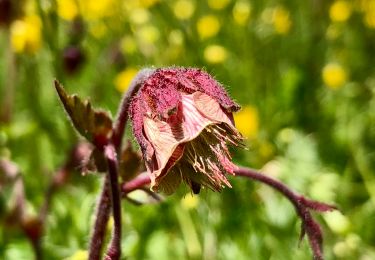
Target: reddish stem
x,y
300,203
114,250
103,207
102,217
122,116
138,183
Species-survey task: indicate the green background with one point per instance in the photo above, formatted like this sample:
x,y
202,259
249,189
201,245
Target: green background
x,y
317,139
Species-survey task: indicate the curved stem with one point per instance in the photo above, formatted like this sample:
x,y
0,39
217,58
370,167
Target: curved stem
x,y
122,116
102,217
138,183
104,207
114,250
300,203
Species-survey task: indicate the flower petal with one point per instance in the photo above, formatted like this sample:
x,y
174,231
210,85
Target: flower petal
x,y
210,108
195,113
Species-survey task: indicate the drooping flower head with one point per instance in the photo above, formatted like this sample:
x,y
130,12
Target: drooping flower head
x,y
182,120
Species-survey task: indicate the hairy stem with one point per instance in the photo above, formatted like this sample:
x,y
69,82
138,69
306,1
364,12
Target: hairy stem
x,y
138,183
102,217
104,207
122,116
300,203
114,250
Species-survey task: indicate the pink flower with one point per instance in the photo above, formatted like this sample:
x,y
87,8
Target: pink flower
x,y
182,119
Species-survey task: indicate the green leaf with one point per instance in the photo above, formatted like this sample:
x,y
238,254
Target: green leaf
x,y
95,125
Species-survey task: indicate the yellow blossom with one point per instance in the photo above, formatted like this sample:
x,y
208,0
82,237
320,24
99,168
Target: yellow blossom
x,y
215,54
79,255
139,16
128,45
247,121
281,20
368,7
183,9
340,11
124,78
190,201
148,34
241,12
370,20
218,4
334,76
26,34
176,37
208,26
67,9
98,9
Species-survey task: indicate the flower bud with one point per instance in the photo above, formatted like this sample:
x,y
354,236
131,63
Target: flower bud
x,y
182,119
73,58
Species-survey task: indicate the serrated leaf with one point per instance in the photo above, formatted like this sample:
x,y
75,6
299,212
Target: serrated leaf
x,y
95,125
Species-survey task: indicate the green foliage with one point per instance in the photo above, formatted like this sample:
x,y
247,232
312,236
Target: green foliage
x,y
313,124
90,123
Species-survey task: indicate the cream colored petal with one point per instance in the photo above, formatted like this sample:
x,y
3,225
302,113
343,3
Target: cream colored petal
x,y
210,108
198,111
194,120
164,138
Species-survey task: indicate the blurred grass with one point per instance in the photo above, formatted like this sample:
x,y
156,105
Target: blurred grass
x,y
302,70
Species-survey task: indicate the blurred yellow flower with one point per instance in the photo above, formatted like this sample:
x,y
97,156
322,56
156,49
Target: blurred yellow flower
x,y
340,11
334,76
128,45
215,54
124,78
218,4
26,34
368,7
79,255
176,37
241,12
67,9
281,20
139,16
247,121
183,9
98,9
190,201
370,20
148,34
208,26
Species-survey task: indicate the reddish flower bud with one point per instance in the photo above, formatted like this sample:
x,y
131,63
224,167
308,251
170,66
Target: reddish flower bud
x,y
73,58
182,119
